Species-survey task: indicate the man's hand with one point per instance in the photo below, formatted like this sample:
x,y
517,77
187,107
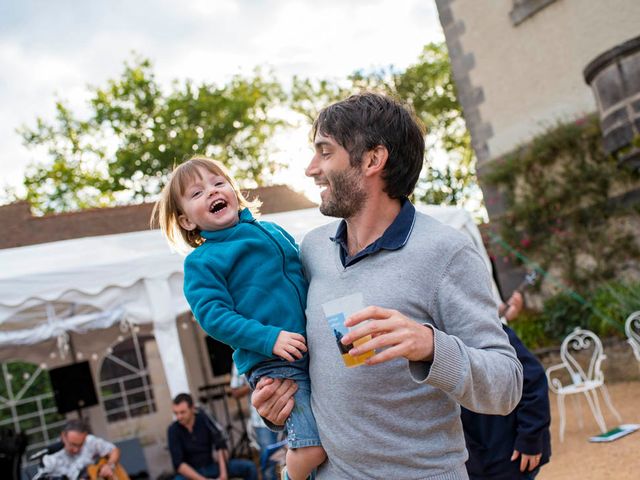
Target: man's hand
x,y
389,328
106,471
222,476
527,462
513,307
289,345
273,398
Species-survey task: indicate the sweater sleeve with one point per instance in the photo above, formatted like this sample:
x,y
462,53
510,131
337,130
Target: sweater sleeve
x,y
206,291
473,360
533,412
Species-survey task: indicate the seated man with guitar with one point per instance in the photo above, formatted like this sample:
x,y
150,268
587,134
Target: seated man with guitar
x,y
80,452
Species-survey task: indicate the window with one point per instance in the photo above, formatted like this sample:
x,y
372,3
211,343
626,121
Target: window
x,y
27,404
523,9
125,385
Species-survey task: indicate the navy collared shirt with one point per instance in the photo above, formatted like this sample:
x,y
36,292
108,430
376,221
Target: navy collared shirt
x,y
194,448
394,237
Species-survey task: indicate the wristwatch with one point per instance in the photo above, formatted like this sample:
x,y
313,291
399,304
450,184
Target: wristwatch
x,y
112,466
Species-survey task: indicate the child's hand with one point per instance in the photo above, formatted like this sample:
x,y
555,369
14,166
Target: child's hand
x,y
289,345
528,463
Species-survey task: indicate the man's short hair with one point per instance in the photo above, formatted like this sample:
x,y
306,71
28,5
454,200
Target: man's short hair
x,y
183,397
366,120
75,425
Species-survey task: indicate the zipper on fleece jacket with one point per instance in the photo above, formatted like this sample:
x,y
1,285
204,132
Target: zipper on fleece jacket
x,y
282,255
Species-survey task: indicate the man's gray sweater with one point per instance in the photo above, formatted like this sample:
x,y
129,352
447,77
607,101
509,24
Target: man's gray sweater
x,y
401,420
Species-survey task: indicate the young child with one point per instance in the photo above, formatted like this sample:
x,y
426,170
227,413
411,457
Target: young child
x,y
517,445
245,286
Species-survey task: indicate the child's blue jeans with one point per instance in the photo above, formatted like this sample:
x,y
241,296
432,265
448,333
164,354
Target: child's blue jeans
x,y
301,424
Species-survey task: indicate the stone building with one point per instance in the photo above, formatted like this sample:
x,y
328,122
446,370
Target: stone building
x,y
519,67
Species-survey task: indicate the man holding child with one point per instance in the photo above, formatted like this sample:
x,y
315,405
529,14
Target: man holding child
x,y
432,317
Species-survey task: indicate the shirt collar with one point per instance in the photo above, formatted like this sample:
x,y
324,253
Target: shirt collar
x,y
394,237
244,216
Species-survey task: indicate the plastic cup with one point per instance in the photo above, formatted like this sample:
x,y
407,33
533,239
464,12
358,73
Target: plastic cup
x,y
336,312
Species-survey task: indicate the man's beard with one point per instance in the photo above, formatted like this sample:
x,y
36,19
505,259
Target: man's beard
x,y
346,194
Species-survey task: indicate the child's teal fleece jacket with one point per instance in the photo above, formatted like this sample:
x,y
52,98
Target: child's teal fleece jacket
x,y
245,285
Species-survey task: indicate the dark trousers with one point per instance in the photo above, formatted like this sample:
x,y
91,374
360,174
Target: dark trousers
x,y
518,476
236,467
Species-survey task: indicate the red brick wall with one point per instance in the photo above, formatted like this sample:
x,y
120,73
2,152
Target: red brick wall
x,y
21,228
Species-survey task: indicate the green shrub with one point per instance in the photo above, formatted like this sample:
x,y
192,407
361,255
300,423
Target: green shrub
x,y
561,314
530,329
612,303
557,192
603,311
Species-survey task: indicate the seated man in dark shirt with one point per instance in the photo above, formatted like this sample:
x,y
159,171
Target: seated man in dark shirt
x,y
192,438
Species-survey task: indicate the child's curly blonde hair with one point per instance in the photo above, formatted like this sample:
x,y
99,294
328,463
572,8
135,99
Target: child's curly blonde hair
x,y
167,209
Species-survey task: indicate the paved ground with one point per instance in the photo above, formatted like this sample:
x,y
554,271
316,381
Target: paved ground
x,y
577,458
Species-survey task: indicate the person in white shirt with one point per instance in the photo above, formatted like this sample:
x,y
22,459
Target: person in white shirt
x,y
81,449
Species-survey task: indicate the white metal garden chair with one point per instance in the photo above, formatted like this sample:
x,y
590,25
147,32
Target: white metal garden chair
x,y
632,329
582,355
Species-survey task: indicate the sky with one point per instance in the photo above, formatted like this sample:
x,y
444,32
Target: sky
x,y
51,50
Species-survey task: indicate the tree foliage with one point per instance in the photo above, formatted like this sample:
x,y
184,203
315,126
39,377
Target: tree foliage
x,y
428,87
135,133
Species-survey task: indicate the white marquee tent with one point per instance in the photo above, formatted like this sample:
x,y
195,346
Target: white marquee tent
x,y
108,279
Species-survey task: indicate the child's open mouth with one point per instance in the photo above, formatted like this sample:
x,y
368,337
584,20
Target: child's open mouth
x,y
217,206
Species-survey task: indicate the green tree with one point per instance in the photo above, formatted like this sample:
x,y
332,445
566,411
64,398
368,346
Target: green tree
x,y
308,96
428,86
135,133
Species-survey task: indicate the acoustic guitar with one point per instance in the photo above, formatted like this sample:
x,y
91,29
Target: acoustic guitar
x,y
93,471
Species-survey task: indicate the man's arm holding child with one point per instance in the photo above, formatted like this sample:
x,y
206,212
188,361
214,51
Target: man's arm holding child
x,y
273,399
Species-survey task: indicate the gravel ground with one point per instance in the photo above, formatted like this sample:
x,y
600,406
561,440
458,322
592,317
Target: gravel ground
x,y
577,458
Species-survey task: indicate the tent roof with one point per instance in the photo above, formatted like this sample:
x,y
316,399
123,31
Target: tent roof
x,y
107,273
86,265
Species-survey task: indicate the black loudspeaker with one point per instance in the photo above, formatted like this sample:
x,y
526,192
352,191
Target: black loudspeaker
x,y
12,446
219,356
73,387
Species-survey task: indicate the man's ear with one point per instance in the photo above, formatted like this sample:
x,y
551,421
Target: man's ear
x,y
375,160
185,223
